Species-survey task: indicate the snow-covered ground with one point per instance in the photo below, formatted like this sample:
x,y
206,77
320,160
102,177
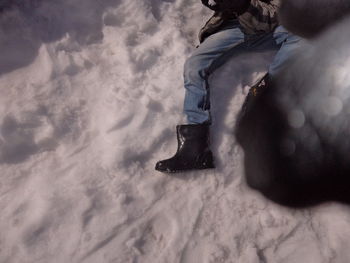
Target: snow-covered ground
x,y
90,93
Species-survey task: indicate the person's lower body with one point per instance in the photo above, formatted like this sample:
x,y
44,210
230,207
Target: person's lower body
x,y
215,51
210,55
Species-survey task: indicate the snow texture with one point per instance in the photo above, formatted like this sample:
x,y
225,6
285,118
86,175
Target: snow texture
x,y
90,94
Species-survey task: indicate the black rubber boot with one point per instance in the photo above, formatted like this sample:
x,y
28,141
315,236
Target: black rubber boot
x,y
193,151
253,96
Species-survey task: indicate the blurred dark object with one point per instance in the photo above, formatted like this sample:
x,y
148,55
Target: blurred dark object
x,y
295,128
307,18
291,166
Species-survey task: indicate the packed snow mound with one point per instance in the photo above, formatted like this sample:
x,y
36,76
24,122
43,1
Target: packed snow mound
x,y
90,95
26,25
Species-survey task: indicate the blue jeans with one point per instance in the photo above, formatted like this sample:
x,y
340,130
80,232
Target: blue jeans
x,y
216,50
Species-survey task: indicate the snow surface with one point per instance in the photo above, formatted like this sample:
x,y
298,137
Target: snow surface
x,y
90,94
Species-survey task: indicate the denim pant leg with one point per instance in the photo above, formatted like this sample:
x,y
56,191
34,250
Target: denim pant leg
x,y
288,43
198,68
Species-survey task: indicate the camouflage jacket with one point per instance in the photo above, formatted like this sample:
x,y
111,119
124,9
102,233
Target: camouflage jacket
x,y
259,17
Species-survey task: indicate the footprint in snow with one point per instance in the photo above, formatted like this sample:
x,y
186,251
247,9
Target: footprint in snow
x,y
154,236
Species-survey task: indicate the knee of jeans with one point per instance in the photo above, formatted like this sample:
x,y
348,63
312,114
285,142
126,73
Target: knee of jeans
x,y
194,68
293,38
283,35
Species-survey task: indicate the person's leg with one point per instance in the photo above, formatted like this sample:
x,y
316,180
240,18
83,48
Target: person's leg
x,y
205,59
289,43
193,139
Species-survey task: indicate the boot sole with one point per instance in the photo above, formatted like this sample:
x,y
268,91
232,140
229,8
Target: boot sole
x,y
185,170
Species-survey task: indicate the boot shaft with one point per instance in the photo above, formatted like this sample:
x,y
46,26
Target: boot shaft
x,y
194,136
193,151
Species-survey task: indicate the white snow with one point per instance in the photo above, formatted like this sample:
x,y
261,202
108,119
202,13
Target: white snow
x,y
90,95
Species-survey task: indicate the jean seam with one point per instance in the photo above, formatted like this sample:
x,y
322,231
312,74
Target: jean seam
x,y
208,71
